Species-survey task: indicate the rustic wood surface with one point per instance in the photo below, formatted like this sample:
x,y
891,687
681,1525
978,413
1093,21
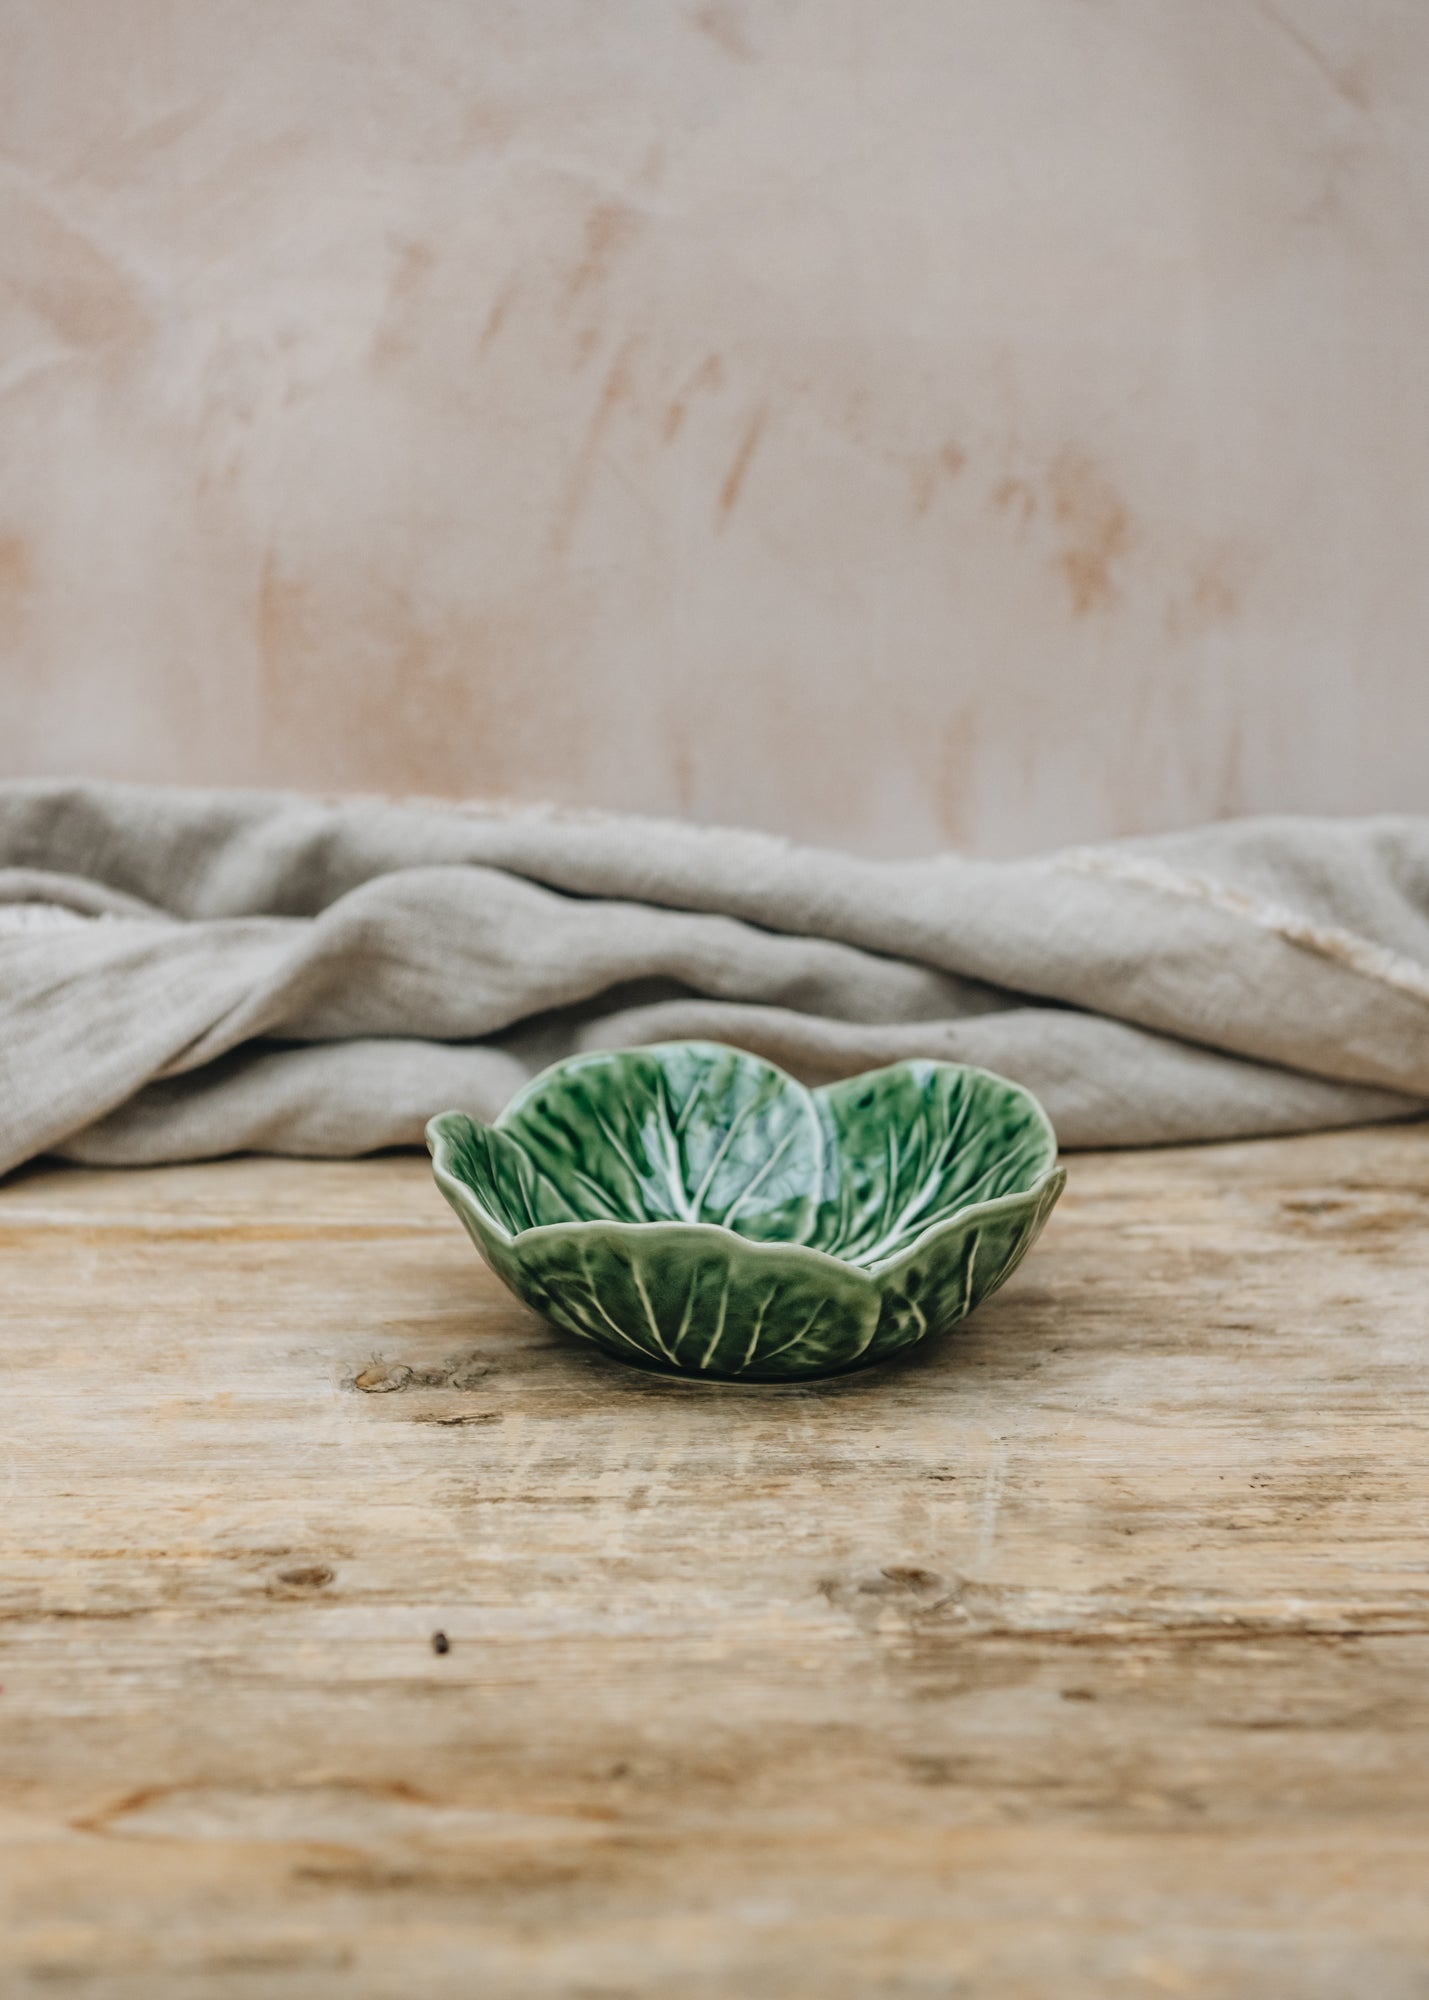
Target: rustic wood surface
x,y
1086,1653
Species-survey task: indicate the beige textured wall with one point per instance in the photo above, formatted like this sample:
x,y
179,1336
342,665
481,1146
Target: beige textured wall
x,y
895,422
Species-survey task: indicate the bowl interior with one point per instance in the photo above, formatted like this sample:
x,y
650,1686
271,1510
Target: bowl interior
x,y
696,1132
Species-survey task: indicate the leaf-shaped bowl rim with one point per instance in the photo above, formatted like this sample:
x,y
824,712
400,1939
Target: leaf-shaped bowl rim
x,y
441,1144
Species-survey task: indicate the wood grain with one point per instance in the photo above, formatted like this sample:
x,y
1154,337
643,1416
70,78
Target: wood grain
x,y
1086,1653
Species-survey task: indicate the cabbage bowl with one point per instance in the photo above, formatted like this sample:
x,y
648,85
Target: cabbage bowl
x,y
691,1209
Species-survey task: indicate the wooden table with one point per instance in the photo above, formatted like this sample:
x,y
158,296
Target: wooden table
x,y
1085,1654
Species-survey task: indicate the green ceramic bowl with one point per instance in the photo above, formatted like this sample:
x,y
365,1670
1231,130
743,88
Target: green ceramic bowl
x,y
692,1209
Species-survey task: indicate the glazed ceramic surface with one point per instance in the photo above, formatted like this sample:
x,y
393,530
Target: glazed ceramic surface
x,y
692,1209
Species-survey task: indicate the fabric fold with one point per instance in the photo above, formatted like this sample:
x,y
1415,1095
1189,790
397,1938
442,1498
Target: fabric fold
x,y
186,973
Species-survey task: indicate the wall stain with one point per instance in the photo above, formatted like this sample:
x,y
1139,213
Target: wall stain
x,y
496,318
1231,786
858,414
1213,594
609,227
957,745
1333,205
682,772
725,29
709,375
413,263
1096,529
1212,597
121,158
15,580
739,466
284,626
929,473
615,390
432,698
68,280
1346,84
394,337
487,126
1015,496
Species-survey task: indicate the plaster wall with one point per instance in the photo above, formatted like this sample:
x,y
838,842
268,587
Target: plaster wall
x,y
975,422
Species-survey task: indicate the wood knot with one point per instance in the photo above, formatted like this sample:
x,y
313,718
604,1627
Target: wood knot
x,y
309,1576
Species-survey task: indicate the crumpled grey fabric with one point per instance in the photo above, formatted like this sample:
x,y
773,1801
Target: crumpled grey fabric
x,y
189,973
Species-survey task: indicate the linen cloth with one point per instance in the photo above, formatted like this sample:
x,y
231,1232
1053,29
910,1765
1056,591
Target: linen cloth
x,y
190,973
